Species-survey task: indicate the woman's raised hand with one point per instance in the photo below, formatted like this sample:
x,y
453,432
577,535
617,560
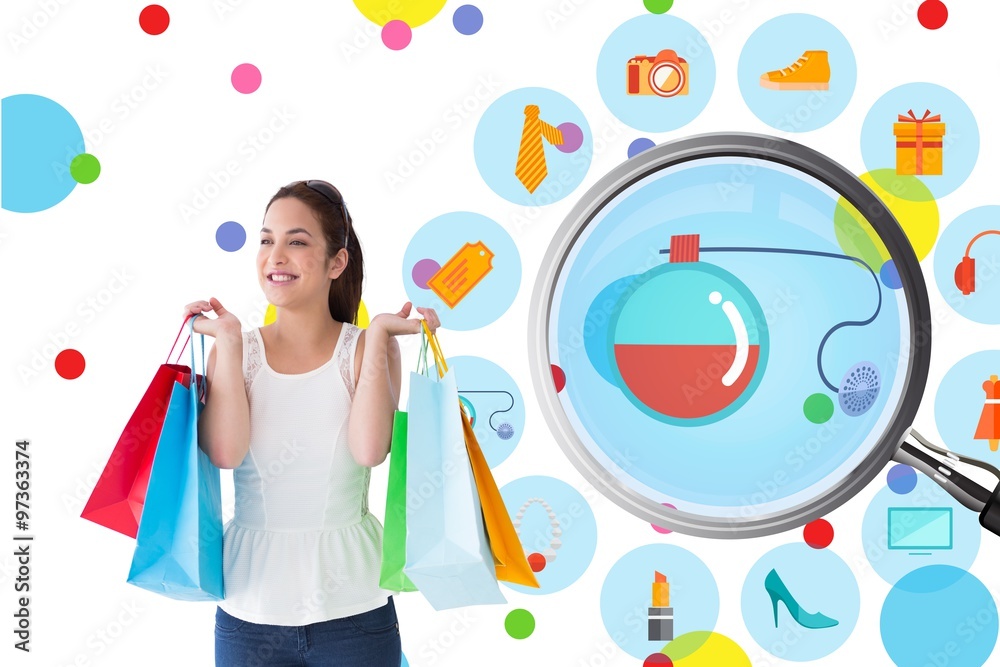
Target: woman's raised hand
x,y
395,324
224,324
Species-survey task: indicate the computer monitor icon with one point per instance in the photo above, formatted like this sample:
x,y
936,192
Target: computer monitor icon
x,y
920,528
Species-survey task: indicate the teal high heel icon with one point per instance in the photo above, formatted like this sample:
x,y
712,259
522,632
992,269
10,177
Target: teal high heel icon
x,y
776,588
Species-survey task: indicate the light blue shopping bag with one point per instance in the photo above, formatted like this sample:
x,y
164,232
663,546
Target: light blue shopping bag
x,y
178,550
448,556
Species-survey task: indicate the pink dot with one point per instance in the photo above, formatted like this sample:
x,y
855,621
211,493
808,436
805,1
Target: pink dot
x,y
246,78
572,137
422,272
659,529
818,534
396,34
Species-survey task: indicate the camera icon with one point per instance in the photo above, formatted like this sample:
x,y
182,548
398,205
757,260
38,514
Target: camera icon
x,y
664,75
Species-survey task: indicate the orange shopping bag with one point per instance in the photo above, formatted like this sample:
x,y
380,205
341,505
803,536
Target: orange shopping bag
x,y
508,553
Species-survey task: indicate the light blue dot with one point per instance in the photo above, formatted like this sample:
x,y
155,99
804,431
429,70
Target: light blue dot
x,y
39,141
639,145
939,615
231,236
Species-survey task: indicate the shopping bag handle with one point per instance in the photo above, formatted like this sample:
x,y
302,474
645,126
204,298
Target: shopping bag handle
x,y
439,362
202,386
171,353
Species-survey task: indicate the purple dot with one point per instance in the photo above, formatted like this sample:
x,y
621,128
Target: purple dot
x,y
639,145
901,478
396,34
572,137
890,276
246,78
659,529
468,19
423,270
230,236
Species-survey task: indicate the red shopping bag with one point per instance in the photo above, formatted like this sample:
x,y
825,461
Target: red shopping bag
x,y
117,499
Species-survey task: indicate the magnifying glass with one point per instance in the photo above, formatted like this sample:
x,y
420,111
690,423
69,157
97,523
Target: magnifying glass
x,y
730,337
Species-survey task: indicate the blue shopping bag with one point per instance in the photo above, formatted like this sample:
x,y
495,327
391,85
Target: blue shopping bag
x,y
178,550
448,556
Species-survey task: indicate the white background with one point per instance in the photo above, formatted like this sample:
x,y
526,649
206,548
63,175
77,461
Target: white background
x,y
357,114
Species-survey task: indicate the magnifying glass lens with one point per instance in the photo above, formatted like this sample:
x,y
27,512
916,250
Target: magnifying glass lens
x,y
734,338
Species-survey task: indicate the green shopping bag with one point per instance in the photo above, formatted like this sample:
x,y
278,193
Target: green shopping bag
x,y
391,576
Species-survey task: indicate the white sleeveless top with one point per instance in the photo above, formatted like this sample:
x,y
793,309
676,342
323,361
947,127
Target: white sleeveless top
x,y
302,547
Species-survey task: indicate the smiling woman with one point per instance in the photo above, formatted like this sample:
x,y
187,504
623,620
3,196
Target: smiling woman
x,y
301,409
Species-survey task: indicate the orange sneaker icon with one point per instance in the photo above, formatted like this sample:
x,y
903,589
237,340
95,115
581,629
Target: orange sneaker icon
x,y
810,72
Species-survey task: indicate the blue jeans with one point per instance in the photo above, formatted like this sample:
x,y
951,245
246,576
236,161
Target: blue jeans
x,y
369,639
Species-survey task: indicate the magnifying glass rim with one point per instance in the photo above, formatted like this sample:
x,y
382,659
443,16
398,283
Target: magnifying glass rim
x,y
770,149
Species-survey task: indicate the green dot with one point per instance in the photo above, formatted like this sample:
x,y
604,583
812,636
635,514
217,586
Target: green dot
x,y
519,623
85,168
658,6
818,408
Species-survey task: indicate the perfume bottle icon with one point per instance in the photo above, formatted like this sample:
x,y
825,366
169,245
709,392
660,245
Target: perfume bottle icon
x,y
661,614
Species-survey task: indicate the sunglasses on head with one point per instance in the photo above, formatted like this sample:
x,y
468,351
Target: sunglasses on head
x,y
332,195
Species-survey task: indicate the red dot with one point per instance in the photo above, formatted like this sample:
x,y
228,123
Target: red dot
x,y
932,14
657,660
154,19
559,377
70,364
818,534
537,562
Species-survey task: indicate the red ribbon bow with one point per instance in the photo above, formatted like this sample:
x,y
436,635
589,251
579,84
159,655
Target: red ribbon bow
x,y
912,118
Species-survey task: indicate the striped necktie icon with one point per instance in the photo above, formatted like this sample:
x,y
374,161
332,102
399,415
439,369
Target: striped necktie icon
x,y
530,169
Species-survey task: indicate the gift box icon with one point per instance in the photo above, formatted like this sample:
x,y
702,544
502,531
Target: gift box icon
x,y
919,144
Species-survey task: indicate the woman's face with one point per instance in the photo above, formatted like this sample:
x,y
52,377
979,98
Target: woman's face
x,y
291,264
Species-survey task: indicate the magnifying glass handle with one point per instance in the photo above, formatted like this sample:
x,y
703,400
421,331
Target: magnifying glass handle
x,y
939,464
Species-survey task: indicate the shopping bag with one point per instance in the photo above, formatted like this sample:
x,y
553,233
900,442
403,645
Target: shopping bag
x,y
391,576
448,556
508,553
117,499
178,549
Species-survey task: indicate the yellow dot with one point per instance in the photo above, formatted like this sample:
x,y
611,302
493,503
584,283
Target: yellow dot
x,y
706,649
410,12
909,201
271,315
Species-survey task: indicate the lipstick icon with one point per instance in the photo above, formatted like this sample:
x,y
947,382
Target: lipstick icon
x,y
661,614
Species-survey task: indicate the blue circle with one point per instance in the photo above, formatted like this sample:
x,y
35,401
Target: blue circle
x,y
778,44
404,662
626,596
498,140
961,138
960,406
649,36
39,141
495,402
639,145
231,236
926,526
939,615
575,519
595,327
818,582
890,275
982,304
670,308
468,19
901,479
443,239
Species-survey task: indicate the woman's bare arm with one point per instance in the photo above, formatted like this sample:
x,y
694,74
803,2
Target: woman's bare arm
x,y
224,426
376,397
